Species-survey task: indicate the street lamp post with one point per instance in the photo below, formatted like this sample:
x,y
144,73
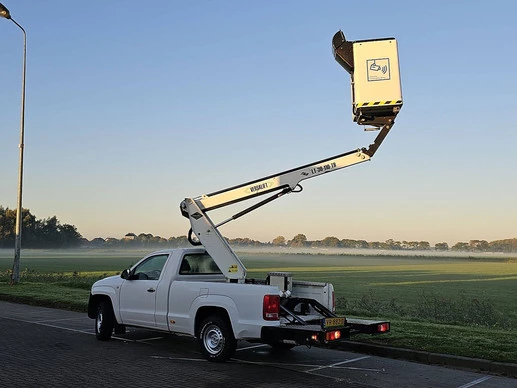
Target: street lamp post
x,y
15,276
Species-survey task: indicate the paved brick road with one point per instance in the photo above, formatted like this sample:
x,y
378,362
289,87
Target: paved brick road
x,y
41,356
42,347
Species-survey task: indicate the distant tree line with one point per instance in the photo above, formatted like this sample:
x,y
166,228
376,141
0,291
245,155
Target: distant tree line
x,y
143,240
50,233
45,233
300,240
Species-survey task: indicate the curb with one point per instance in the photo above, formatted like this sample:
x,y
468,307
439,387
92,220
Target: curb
x,y
474,364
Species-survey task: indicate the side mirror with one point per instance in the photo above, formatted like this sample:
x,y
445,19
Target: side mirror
x,y
125,274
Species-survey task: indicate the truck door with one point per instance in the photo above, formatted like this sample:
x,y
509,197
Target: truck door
x,y
138,292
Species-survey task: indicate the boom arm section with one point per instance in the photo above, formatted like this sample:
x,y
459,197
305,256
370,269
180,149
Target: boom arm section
x,y
195,209
285,181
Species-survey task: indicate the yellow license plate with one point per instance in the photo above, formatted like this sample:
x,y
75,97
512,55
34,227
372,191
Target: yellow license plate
x,y
334,322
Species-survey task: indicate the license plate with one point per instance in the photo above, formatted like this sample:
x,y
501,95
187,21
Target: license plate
x,y
333,322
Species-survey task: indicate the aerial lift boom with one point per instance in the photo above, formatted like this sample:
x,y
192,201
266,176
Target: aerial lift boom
x,y
374,60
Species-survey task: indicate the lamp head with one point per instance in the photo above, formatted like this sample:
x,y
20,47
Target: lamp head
x,y
4,12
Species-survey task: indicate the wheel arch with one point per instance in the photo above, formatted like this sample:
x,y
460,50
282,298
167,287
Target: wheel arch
x,y
94,301
207,311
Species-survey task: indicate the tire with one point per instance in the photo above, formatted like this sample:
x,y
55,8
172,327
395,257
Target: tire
x,y
216,339
104,321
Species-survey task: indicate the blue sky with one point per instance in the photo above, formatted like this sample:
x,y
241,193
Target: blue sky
x,y
133,106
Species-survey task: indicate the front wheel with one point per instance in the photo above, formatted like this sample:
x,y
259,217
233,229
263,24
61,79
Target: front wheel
x,y
104,321
216,339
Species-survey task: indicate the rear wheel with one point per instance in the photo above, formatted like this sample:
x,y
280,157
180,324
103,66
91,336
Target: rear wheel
x,y
104,321
216,339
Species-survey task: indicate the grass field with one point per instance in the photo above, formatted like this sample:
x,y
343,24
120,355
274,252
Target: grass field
x,y
457,305
410,287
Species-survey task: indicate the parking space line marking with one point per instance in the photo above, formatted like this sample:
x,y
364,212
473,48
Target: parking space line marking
x,y
272,363
123,339
48,325
315,367
57,327
476,382
252,347
149,339
179,358
354,368
339,363
63,328
338,379
285,364
58,320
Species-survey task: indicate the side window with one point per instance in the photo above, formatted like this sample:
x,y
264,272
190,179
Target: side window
x,y
198,264
150,269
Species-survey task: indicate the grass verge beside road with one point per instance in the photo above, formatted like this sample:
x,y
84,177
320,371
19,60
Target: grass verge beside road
x,y
475,342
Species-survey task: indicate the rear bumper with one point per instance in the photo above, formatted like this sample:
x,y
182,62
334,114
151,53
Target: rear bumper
x,y
316,335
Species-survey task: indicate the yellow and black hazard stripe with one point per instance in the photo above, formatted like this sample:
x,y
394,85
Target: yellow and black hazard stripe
x,y
379,103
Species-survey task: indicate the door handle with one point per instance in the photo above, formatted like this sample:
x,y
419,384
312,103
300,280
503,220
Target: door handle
x,y
151,290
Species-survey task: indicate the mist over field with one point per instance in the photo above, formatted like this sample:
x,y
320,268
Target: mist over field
x,y
264,251
376,252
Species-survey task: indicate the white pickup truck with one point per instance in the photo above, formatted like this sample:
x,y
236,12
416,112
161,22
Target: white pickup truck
x,y
184,291
204,291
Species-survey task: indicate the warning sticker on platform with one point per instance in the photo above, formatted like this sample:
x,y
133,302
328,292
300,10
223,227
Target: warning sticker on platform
x,y
378,69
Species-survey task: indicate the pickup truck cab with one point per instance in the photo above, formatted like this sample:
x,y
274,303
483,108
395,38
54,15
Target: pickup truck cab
x,y
184,291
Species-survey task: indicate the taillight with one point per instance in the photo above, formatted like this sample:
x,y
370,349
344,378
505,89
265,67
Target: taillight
x,y
383,327
333,335
271,307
